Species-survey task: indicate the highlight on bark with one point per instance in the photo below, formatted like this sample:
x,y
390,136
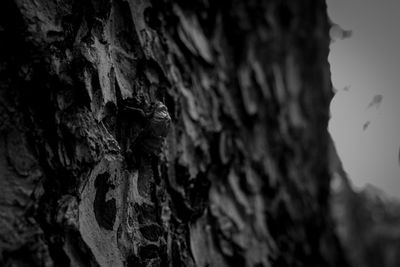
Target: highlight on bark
x,y
165,133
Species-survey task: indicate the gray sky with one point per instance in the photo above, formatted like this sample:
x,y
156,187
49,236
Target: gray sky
x,y
367,63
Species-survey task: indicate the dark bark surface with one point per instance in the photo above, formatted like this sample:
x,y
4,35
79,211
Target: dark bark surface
x,y
165,133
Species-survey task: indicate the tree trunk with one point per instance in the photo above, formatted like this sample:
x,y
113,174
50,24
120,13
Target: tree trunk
x,y
165,133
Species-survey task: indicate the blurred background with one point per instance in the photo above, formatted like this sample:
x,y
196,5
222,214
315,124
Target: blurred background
x,y
365,126
365,117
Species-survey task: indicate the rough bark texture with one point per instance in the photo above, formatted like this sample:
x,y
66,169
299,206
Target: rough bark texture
x,y
95,171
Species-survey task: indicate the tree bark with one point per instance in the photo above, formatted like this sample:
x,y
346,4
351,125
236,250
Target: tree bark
x,y
165,133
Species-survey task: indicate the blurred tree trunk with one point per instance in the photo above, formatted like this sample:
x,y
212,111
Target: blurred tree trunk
x,y
89,175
